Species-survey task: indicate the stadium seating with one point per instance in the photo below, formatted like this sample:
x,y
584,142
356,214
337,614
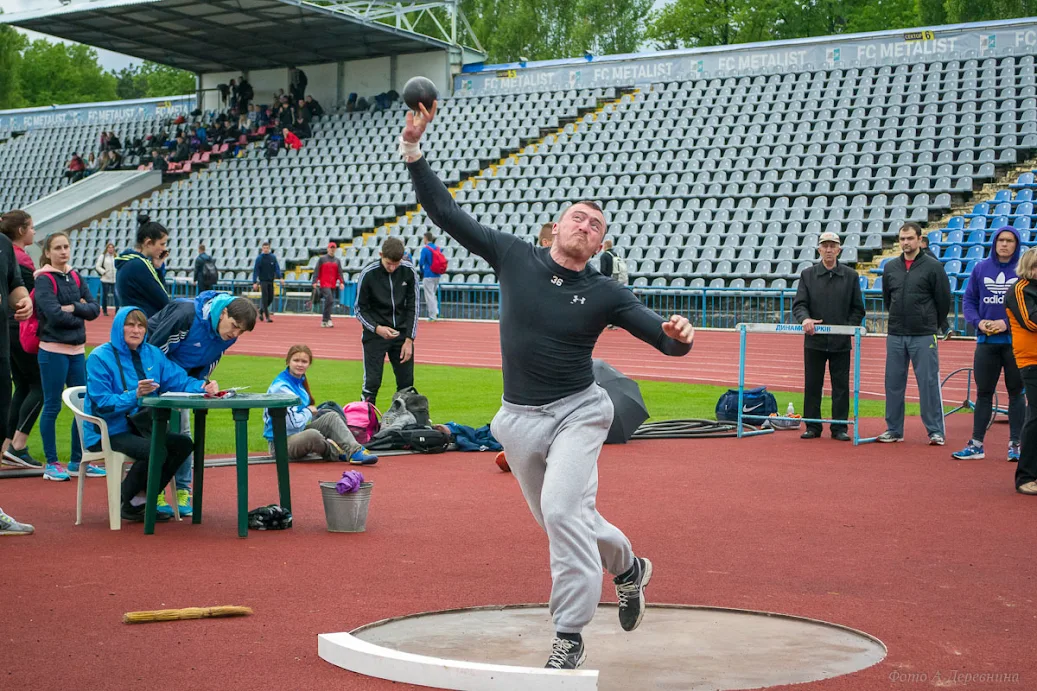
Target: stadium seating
x,y
720,182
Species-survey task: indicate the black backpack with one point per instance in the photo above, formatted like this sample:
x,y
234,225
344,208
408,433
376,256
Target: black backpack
x,y
410,438
210,274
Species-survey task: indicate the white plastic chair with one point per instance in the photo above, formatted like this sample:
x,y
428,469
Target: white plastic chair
x,y
114,462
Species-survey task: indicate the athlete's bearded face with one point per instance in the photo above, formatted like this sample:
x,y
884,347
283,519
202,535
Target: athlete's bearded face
x,y
580,231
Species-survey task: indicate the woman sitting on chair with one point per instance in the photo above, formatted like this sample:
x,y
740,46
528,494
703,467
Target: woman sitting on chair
x,y
312,431
119,374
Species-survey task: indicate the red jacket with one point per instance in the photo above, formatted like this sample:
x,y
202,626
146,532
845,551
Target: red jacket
x,y
329,272
294,142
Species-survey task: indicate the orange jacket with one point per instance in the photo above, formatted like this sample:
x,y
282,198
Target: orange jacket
x,y
1021,304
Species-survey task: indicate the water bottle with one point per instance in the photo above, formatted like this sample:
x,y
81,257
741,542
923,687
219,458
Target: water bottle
x,y
790,411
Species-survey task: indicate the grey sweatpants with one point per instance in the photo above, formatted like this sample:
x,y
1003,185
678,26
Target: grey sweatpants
x,y
431,285
924,355
553,452
314,439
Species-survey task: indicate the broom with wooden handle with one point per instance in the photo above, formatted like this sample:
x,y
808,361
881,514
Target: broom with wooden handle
x,y
185,613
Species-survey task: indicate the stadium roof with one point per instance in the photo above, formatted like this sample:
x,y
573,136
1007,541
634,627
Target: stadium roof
x,y
225,34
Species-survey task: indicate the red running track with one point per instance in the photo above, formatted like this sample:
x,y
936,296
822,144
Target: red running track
x,y
772,360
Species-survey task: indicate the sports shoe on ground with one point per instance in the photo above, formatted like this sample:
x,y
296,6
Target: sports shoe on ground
x,y
631,593
164,509
363,457
20,458
971,452
888,437
56,472
502,462
323,325
91,470
9,526
936,439
330,325
1013,452
136,514
1027,488
566,654
183,502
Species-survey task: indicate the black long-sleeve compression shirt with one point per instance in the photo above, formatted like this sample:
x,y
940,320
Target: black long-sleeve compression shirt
x,y
550,316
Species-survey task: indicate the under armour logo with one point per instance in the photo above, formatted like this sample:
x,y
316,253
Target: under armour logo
x,y
577,298
557,281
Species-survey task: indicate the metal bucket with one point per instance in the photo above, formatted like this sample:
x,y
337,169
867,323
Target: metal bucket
x,y
346,513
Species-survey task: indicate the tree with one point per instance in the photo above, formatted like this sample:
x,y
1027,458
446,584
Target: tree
x,y
931,12
690,23
52,73
11,45
163,80
611,27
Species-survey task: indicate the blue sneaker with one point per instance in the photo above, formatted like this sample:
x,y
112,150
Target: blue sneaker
x,y
183,502
971,452
91,470
363,457
56,472
1013,452
163,507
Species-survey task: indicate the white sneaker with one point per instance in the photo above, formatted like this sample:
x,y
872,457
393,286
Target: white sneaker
x,y
330,325
9,526
323,325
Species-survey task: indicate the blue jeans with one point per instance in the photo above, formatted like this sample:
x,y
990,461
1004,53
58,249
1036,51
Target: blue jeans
x,y
185,471
56,372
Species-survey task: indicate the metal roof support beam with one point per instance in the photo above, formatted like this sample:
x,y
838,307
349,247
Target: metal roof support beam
x,y
407,15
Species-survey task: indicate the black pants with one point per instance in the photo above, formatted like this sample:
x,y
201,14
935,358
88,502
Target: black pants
x,y
327,299
813,383
178,448
989,360
202,287
1026,471
267,288
28,389
375,351
107,291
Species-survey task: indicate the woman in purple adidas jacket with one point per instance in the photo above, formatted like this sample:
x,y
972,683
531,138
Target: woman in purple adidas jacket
x,y
984,306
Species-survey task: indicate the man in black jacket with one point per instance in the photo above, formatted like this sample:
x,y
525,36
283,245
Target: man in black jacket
x,y
917,295
829,293
265,271
387,308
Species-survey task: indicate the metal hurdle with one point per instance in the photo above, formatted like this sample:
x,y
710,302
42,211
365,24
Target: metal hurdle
x,y
856,331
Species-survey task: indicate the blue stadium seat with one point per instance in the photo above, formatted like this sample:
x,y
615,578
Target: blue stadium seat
x,y
976,252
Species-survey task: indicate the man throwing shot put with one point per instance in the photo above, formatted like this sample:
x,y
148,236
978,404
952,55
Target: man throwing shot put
x,y
554,418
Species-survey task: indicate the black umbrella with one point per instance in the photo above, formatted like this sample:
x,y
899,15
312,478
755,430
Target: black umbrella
x,y
626,399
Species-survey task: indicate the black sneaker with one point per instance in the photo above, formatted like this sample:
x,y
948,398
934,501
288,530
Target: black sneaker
x,y
631,594
566,654
136,514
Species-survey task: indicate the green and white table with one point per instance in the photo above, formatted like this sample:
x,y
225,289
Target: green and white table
x,y
240,405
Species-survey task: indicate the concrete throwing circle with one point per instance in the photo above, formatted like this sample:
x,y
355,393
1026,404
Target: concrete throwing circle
x,y
676,647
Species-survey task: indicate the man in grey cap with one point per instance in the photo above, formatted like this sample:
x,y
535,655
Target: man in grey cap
x,y
829,293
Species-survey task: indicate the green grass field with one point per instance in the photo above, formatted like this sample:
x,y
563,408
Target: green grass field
x,y
466,395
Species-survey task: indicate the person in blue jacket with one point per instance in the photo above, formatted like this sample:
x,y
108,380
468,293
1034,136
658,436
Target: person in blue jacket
x,y
311,430
194,333
119,374
984,307
140,273
429,278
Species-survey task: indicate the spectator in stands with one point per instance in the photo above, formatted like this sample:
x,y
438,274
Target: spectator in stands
x,y
297,86
546,235
122,372
387,308
105,267
351,102
265,117
245,95
63,306
76,169
183,150
15,264
113,142
92,164
328,280
140,273
301,129
314,107
253,115
606,262
264,272
14,299
429,277
302,112
103,144
291,141
1021,308
114,160
284,112
194,334
206,274
311,430
984,307
829,293
158,161
917,295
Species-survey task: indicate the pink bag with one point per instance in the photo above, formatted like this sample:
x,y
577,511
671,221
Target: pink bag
x,y
29,330
362,419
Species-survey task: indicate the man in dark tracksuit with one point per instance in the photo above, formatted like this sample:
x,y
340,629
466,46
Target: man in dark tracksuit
x,y
917,295
264,273
387,308
829,293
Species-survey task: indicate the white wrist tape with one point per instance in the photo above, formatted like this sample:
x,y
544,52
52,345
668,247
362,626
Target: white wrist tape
x,y
409,150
